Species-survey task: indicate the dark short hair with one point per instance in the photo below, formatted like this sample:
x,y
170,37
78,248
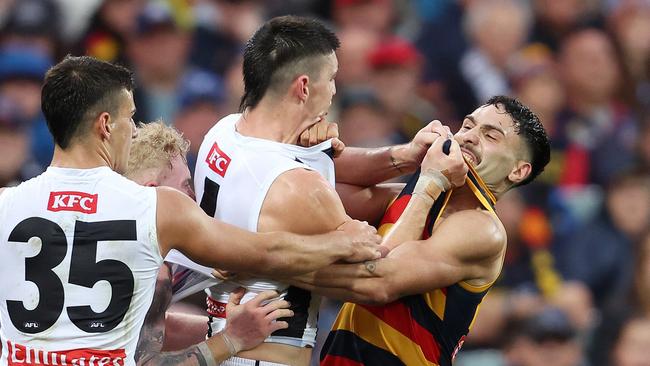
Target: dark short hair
x,y
76,90
279,43
530,128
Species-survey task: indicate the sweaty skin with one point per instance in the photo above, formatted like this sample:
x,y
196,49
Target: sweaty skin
x,y
488,141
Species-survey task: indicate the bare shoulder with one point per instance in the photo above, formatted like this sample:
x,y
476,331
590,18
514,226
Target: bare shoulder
x,y
176,213
301,201
300,186
478,234
169,198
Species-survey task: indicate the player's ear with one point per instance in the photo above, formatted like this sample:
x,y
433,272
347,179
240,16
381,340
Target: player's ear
x,y
300,87
151,183
520,172
103,123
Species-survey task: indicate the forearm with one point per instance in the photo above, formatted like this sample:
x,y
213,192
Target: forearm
x,y
208,353
184,330
366,290
366,167
335,275
291,254
350,282
152,334
411,223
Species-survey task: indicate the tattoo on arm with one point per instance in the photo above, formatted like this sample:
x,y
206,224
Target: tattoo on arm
x,y
191,356
152,334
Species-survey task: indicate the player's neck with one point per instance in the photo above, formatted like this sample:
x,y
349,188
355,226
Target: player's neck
x,y
78,157
463,198
272,120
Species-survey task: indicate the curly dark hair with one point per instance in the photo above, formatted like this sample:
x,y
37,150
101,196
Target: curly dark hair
x,y
527,125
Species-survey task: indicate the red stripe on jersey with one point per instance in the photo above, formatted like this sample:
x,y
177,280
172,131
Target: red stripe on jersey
x,y
395,210
331,360
398,316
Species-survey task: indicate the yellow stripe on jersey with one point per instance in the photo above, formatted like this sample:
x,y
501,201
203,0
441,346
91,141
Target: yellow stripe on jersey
x,y
484,201
478,308
437,301
373,330
385,228
481,183
473,288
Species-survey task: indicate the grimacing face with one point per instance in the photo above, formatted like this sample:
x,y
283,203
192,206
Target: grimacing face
x,y
489,141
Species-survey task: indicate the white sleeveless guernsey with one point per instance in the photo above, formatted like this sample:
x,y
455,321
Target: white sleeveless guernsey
x,y
232,177
79,258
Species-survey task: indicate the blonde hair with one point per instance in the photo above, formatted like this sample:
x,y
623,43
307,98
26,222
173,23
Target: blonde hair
x,y
155,146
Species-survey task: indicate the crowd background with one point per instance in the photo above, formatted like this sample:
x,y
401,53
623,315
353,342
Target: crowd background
x,y
575,288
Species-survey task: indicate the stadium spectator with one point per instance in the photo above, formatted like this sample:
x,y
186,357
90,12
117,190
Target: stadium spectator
x,y
109,28
202,97
159,50
396,66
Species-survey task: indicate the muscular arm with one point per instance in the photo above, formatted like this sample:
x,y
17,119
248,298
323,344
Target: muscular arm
x,y
411,223
152,334
148,351
366,167
183,225
368,203
192,356
303,202
447,257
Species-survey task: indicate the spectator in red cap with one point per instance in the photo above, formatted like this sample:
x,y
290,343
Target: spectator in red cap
x,y
397,66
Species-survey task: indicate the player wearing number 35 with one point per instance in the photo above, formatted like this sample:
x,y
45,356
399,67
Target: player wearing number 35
x,y
80,245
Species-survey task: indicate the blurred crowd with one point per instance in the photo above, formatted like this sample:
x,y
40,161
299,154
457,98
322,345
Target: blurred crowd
x,y
575,288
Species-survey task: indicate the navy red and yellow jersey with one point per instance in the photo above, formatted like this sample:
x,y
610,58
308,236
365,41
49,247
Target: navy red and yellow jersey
x,y
424,329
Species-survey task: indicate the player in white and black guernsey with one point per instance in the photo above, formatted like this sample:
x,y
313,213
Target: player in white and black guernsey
x,y
80,245
248,172
232,183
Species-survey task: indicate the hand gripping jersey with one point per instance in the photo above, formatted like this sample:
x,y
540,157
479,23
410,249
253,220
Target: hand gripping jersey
x,y
80,256
425,329
232,177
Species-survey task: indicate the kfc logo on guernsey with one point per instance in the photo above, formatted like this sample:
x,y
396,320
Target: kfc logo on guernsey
x,y
72,201
20,355
218,160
